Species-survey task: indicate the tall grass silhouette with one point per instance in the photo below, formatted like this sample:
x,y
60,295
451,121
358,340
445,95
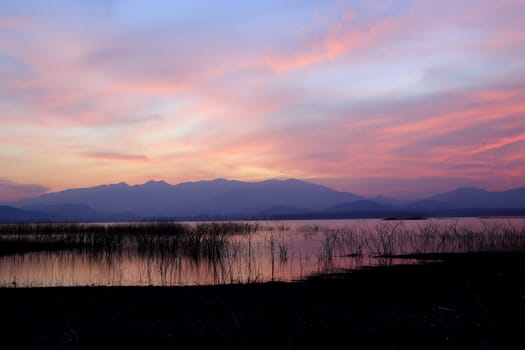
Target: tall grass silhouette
x,y
240,252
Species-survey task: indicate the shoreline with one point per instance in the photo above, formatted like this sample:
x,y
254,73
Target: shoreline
x,y
466,301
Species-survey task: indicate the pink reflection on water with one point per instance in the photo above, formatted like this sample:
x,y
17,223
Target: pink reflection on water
x,y
280,251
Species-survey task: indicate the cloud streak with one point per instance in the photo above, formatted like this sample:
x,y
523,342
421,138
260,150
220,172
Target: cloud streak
x,y
111,156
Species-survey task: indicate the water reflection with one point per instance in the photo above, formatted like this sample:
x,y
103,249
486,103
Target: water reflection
x,y
274,252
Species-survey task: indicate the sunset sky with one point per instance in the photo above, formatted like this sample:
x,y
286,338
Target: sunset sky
x,y
401,98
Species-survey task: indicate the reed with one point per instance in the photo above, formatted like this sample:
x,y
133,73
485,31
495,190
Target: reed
x,y
235,252
201,240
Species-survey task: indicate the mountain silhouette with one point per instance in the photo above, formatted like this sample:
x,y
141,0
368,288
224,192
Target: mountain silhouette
x,y
231,199
427,204
78,212
158,199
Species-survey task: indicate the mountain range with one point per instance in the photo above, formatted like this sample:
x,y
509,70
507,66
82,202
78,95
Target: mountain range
x,y
225,199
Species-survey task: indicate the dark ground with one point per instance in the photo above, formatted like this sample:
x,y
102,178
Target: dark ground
x,y
472,301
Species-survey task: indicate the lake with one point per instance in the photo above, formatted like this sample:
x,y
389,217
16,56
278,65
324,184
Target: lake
x,y
270,251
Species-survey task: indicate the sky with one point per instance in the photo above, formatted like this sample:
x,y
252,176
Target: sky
x,y
393,97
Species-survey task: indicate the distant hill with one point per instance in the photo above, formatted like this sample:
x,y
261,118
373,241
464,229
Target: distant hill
x,y
158,199
275,193
427,204
12,215
278,211
78,212
392,202
469,198
360,205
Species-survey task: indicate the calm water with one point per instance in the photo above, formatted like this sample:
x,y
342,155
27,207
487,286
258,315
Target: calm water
x,y
284,251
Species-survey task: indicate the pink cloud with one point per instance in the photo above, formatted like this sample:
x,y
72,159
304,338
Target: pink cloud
x,y
111,156
341,37
226,108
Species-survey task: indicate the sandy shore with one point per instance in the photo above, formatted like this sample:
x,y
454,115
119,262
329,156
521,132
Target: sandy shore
x,y
467,301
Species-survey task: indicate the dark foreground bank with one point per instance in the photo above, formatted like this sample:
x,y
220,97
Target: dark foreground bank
x,y
471,301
